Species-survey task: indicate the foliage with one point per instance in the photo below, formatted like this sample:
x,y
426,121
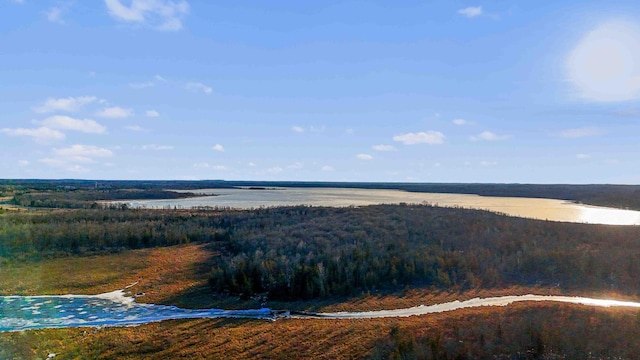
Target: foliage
x,y
313,252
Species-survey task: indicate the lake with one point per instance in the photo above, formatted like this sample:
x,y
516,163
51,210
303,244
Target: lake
x,y
542,209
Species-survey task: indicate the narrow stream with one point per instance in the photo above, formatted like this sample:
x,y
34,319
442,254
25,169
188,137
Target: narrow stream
x,y
115,309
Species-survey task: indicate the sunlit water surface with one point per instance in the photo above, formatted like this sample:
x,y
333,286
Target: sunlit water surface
x,y
543,209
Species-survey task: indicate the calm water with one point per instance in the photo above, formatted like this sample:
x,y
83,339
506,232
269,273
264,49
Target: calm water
x,y
544,209
110,309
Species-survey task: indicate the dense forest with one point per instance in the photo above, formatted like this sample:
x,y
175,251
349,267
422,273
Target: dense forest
x,y
314,252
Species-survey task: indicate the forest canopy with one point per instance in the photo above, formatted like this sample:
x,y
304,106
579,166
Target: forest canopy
x,y
314,252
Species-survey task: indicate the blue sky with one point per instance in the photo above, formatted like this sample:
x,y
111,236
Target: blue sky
x,y
410,91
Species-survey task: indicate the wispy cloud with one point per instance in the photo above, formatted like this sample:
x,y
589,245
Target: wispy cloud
x,y
69,104
136,128
76,157
42,134
429,137
364,157
196,86
155,147
114,112
580,132
327,168
83,151
142,85
471,11
204,165
583,156
54,14
488,163
488,136
383,148
62,122
163,15
218,147
274,170
297,129
151,113
461,122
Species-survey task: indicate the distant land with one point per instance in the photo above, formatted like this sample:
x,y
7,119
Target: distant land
x,y
619,196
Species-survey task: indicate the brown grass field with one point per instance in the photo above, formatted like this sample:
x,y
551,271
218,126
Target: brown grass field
x,y
178,276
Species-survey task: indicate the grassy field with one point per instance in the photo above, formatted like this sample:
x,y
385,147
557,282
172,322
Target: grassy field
x,y
178,275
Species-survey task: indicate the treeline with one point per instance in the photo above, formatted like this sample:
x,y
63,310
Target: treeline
x,y
310,252
89,199
620,196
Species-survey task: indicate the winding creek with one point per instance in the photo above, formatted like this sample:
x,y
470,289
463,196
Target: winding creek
x,y
19,313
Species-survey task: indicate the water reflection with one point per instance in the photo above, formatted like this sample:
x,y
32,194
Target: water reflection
x,y
543,209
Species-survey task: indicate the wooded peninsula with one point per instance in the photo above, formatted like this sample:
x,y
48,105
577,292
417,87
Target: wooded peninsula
x,y
313,257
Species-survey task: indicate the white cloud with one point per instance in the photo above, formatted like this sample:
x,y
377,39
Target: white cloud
x,y
580,132
383,148
327,168
62,122
156,147
429,137
461,122
364,157
152,113
114,112
136,128
69,104
196,86
471,11
488,136
159,14
274,170
251,163
41,134
142,85
159,78
297,129
583,156
18,1
603,65
437,164
218,147
23,162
